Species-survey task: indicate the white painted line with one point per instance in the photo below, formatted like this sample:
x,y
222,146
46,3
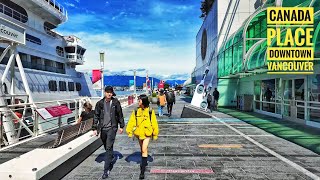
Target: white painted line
x,y
208,124
293,164
205,135
246,127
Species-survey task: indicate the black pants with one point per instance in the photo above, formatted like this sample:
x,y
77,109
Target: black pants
x,y
108,136
209,106
169,107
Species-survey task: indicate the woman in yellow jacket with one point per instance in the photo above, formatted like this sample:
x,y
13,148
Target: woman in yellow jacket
x,y
143,127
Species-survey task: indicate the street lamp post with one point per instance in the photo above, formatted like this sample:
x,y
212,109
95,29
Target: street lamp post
x,y
134,80
102,69
134,83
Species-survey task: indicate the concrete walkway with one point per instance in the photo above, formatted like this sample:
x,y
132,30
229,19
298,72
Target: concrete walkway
x,y
221,147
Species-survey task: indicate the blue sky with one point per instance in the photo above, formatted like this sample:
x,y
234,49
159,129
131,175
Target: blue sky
x,y
158,35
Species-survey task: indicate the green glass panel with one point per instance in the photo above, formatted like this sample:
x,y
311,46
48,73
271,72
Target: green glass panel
x,y
237,57
256,59
269,3
316,5
291,3
317,37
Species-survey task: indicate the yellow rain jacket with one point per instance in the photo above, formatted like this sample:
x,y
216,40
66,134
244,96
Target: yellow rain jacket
x,y
141,126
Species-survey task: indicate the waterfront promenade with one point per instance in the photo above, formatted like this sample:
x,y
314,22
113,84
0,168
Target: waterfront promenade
x,y
221,147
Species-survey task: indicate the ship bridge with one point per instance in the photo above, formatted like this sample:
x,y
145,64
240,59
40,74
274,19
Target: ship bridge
x,y
49,10
74,50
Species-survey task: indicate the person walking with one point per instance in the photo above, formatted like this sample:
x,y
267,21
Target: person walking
x,y
216,95
107,117
161,102
143,125
87,113
268,95
171,99
209,101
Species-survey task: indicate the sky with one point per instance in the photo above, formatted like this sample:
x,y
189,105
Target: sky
x,y
157,35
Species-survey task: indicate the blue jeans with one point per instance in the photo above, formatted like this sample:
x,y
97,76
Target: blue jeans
x,y
160,110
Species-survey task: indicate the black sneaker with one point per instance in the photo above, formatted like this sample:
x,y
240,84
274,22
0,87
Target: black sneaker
x,y
141,176
105,175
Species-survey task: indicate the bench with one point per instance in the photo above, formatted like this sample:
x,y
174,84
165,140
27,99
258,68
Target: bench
x,y
68,133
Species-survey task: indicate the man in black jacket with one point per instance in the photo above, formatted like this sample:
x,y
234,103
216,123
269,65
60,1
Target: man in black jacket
x,y
107,116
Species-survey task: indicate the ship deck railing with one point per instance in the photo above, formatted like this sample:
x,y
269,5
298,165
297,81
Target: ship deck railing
x,y
31,124
56,5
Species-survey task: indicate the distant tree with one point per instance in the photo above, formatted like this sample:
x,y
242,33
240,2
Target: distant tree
x,y
205,7
166,86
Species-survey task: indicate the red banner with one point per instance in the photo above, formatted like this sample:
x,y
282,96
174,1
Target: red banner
x,y
161,84
96,75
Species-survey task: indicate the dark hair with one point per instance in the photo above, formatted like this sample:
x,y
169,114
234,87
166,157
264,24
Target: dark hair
x,y
87,105
145,100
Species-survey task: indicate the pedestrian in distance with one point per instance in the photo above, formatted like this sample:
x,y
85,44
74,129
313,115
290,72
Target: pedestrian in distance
x,y
209,101
171,99
216,96
161,102
107,117
88,113
268,95
143,125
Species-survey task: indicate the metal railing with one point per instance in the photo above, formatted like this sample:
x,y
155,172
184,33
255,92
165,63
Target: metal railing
x,y
28,123
50,32
306,105
58,7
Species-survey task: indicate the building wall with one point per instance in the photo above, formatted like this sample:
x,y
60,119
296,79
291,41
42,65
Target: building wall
x,y
228,91
212,24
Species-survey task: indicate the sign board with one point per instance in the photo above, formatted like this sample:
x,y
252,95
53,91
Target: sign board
x,y
12,32
181,171
54,111
44,113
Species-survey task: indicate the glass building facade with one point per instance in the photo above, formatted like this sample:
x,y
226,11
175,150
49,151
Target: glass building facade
x,y
241,67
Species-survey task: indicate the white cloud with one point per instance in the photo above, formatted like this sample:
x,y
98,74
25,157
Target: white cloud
x,y
78,1
69,4
159,8
124,53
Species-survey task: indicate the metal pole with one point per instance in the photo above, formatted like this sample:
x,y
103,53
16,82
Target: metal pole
x,y
102,69
147,83
1,130
102,84
134,81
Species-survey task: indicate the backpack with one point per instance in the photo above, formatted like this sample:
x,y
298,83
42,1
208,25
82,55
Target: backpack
x,y
170,97
150,113
209,98
162,100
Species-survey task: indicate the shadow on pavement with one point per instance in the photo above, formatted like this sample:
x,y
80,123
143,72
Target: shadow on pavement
x,y
136,157
116,155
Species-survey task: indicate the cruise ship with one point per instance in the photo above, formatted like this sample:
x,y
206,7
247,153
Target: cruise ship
x,y
38,69
231,56
48,58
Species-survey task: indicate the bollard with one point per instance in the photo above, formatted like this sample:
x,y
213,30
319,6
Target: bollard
x,y
129,100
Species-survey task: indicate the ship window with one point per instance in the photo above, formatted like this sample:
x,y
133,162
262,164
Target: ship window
x,y
62,86
60,51
70,49
33,39
83,51
78,86
71,86
53,86
14,11
78,49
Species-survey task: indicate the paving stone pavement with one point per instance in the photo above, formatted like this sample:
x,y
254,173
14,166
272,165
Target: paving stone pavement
x,y
178,148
